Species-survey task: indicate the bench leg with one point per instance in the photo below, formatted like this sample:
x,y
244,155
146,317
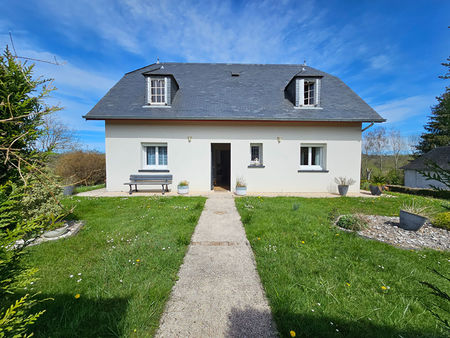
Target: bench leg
x,y
131,190
135,187
162,185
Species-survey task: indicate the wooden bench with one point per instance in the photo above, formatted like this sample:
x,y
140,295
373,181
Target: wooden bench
x,y
136,180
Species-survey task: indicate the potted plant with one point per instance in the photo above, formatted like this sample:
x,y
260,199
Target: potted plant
x,y
412,217
241,187
377,185
183,187
343,184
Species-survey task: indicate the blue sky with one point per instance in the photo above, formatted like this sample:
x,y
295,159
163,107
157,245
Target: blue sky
x,y
388,52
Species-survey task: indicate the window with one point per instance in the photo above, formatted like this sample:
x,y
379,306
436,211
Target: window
x,y
309,93
155,156
255,154
312,157
158,91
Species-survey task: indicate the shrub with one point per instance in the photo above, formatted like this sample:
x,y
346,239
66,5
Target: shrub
x,y
82,167
420,192
395,178
378,180
352,222
442,220
183,183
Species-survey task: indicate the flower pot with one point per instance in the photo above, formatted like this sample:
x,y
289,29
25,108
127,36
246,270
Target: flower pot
x,y
183,189
343,189
375,190
68,190
410,221
241,191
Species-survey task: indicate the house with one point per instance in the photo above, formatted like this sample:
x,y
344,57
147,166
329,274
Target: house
x,y
414,179
282,128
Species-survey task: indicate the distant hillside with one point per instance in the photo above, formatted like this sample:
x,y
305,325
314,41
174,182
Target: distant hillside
x,y
372,162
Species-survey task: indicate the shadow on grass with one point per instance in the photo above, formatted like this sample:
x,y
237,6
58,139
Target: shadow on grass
x,y
254,323
66,316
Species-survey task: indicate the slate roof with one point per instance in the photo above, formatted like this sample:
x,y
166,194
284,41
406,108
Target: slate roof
x,y
440,156
207,91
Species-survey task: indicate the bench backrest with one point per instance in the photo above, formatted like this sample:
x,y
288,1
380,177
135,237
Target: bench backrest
x,y
137,178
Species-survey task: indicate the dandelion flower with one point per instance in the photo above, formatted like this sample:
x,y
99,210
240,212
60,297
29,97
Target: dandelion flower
x,y
383,288
303,242
348,284
77,296
292,333
138,260
259,238
337,234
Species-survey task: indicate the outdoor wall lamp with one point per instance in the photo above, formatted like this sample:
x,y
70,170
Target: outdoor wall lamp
x,y
279,139
189,139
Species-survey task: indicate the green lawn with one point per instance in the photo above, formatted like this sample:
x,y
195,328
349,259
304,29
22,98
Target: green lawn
x,y
322,282
124,263
84,188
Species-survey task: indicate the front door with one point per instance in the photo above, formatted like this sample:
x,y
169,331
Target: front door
x,y
220,166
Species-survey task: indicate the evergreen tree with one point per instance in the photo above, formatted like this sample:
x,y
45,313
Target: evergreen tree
x,y
438,126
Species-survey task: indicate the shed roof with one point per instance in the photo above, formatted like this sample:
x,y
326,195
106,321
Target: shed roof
x,y
440,156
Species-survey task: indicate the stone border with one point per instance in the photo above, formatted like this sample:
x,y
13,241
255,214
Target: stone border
x,y
73,227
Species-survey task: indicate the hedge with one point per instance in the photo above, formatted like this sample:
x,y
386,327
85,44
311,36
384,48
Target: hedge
x,y
445,194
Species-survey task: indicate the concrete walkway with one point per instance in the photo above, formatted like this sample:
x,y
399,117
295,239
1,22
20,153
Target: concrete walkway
x,y
219,292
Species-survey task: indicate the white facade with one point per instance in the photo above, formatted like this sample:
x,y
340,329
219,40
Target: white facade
x,y
414,179
189,152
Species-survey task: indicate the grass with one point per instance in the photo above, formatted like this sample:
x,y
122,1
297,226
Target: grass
x,y
123,264
88,188
323,282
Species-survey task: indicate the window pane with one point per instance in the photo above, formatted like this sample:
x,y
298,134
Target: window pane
x,y
304,156
162,155
255,153
315,156
151,158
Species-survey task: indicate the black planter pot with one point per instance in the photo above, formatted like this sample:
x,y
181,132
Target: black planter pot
x,y
375,190
410,221
343,189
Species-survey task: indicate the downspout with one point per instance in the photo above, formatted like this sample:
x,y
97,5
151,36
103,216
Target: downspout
x,y
370,125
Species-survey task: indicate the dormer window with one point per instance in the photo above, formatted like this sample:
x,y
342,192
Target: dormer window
x,y
305,92
309,93
158,91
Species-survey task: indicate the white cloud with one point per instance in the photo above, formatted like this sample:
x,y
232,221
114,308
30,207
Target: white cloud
x,y
406,108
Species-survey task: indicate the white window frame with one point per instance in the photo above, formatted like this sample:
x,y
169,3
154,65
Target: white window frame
x,y
260,151
300,92
149,90
322,157
157,165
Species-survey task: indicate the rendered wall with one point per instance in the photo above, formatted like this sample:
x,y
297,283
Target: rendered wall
x,y
413,179
192,160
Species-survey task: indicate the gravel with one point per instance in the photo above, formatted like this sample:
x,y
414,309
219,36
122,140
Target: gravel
x,y
386,229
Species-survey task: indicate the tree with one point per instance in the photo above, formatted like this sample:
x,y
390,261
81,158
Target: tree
x,y
55,136
398,145
377,143
438,125
437,173
26,189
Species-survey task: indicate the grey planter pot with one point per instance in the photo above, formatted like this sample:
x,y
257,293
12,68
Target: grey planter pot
x,y
68,191
241,191
343,189
409,221
375,190
183,189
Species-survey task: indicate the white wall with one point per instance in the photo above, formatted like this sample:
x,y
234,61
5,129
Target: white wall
x,y
413,179
192,160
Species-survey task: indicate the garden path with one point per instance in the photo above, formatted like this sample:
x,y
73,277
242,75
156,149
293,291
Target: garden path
x,y
219,293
